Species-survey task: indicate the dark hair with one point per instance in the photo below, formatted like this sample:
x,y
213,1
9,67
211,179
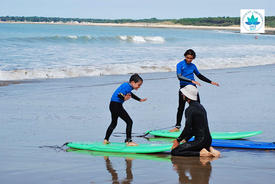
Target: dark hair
x,y
190,52
136,78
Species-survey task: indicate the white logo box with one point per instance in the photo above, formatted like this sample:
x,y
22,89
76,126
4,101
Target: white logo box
x,y
252,20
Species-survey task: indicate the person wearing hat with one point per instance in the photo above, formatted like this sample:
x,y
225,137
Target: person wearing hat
x,y
196,125
185,73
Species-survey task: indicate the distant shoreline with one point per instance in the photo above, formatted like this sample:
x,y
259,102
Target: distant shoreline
x,y
149,25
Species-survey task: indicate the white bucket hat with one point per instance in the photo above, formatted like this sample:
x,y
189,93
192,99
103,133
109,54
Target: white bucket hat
x,y
190,92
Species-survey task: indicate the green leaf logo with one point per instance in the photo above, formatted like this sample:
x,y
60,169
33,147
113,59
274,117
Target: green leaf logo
x,y
252,21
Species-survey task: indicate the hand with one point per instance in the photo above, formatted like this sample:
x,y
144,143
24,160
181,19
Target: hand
x,y
127,97
215,83
197,83
143,100
175,144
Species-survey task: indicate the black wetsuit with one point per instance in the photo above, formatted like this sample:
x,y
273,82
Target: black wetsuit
x,y
117,110
196,125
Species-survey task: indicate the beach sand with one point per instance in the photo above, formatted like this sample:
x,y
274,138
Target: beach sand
x,y
51,112
269,30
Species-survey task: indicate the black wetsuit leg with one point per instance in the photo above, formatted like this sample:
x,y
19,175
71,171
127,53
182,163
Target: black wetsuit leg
x,y
181,108
192,148
117,110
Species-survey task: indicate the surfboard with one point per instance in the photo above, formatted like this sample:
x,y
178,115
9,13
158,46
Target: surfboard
x,y
120,147
215,135
243,144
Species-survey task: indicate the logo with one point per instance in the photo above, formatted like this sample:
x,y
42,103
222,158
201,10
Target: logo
x,y
252,20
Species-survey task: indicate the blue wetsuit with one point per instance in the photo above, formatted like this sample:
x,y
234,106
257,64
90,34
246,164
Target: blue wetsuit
x,y
117,110
121,91
185,74
187,71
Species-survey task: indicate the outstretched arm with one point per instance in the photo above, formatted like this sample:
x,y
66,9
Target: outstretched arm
x,y
205,79
137,98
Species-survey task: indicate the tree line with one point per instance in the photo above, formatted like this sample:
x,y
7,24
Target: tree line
x,y
205,21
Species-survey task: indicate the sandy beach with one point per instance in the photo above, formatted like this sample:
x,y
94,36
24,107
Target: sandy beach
x,y
51,112
149,25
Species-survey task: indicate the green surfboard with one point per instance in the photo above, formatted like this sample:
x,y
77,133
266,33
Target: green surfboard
x,y
215,135
120,147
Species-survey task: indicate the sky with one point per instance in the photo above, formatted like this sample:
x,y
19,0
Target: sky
x,y
133,9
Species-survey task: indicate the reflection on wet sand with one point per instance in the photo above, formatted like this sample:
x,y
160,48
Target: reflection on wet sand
x,y
193,170
129,175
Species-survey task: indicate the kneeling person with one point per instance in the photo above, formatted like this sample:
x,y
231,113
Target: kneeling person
x,y
196,125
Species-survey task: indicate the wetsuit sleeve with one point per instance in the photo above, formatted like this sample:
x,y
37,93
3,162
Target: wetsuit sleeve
x,y
121,96
179,68
135,97
187,131
196,71
181,78
203,78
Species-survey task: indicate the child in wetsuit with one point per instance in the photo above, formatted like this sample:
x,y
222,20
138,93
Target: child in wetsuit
x,y
123,93
185,73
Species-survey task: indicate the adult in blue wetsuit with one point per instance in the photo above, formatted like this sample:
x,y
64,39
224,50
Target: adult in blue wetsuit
x,y
123,93
185,73
196,125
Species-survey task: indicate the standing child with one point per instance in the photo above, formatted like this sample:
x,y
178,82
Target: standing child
x,y
185,73
123,93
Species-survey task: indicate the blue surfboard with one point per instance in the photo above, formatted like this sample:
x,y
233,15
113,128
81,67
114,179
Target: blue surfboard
x,y
243,144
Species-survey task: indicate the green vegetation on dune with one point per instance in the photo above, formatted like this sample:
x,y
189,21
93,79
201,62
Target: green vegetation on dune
x,y
210,21
205,21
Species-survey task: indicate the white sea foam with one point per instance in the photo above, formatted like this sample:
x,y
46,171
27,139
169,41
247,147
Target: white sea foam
x,y
142,39
77,38
155,39
72,36
126,68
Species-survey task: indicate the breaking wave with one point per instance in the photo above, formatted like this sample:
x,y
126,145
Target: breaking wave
x,y
89,38
127,68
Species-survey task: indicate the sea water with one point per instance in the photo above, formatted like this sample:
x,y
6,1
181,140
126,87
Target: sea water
x,y
40,51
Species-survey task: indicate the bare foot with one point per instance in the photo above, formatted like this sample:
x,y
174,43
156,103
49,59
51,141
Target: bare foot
x,y
106,141
214,152
129,159
131,144
174,130
205,153
183,141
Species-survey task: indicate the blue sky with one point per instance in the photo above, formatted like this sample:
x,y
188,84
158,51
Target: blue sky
x,y
134,9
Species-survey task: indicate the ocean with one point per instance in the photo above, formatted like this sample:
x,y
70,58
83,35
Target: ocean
x,y
42,51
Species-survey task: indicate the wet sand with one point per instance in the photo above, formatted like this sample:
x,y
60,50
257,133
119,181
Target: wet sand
x,y
6,83
56,111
